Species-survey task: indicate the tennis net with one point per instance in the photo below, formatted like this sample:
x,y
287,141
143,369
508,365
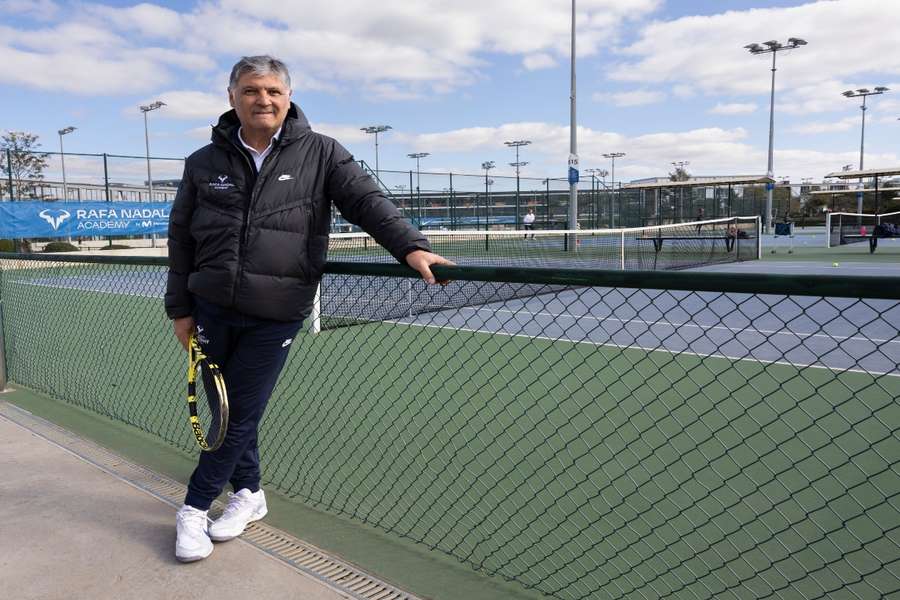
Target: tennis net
x,y
345,300
851,228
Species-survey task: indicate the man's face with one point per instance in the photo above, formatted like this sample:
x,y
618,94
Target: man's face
x,y
261,103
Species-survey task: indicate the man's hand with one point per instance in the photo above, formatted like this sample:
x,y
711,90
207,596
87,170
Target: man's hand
x,y
184,327
421,261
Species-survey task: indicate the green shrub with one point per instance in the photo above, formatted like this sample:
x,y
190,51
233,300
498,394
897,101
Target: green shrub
x,y
116,247
60,247
7,246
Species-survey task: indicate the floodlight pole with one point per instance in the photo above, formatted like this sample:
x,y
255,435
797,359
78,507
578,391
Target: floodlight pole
x,y
612,182
517,144
62,158
573,145
376,129
772,47
863,93
487,166
146,109
417,156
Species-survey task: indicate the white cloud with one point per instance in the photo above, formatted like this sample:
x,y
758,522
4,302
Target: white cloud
x,y
707,51
819,127
42,10
188,104
711,150
533,62
632,98
395,49
345,134
733,109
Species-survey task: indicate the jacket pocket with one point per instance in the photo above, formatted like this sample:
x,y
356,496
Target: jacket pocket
x,y
316,255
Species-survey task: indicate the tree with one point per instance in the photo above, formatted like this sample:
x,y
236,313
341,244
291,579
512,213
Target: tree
x,y
19,156
680,174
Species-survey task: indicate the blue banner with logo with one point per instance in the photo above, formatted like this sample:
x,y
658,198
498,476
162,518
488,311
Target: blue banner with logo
x,y
82,219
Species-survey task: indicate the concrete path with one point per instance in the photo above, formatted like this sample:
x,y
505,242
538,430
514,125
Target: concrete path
x,y
69,530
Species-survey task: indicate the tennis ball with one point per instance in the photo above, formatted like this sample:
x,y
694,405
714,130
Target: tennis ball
x,y
835,264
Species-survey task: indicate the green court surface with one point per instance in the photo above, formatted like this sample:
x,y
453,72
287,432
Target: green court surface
x,y
577,469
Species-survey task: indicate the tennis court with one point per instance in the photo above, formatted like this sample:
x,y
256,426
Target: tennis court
x,y
589,439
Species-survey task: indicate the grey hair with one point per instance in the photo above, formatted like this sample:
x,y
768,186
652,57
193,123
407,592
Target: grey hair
x,y
259,66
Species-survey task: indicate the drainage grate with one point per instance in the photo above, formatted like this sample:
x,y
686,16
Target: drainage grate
x,y
303,557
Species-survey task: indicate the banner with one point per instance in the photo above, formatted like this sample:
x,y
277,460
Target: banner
x,y
82,219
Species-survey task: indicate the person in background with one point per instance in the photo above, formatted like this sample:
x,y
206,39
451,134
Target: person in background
x,y
528,222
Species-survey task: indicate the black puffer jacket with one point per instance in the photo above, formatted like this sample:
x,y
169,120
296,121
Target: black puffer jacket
x,y
257,242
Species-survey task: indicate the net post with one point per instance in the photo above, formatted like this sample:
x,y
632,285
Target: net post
x,y
315,317
758,237
828,229
622,241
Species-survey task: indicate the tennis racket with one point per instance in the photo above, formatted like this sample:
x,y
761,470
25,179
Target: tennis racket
x,y
208,402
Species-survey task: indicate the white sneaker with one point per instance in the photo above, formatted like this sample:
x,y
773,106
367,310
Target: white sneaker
x,y
191,539
243,508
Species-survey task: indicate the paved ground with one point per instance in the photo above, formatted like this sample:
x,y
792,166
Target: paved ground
x,y
69,530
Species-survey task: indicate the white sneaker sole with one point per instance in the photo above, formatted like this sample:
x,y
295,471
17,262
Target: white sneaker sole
x,y
224,538
193,558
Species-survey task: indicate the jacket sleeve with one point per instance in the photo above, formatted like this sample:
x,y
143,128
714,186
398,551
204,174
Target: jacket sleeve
x,y
362,203
181,249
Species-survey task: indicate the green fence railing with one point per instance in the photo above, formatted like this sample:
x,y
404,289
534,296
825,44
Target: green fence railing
x,y
621,434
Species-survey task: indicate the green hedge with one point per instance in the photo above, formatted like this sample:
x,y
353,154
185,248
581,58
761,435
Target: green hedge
x,y
60,247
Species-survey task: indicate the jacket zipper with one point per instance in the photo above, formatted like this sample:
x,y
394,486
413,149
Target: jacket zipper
x,y
245,228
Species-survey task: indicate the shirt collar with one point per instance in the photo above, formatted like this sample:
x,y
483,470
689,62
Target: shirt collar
x,y
254,150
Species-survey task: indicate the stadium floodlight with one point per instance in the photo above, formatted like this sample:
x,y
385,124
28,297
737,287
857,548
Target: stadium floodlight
x,y
517,144
156,104
487,166
62,158
863,93
417,156
772,48
612,182
376,129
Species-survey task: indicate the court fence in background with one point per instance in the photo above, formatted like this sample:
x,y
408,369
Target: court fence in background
x,y
609,434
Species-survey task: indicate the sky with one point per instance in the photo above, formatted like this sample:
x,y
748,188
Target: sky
x,y
661,81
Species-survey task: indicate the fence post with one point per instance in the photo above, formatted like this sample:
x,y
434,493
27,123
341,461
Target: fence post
x,y
106,177
2,348
9,173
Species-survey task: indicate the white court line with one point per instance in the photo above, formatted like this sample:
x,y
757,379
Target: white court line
x,y
81,289
647,349
687,325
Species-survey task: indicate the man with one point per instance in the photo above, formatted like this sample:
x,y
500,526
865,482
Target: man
x,y
248,235
528,222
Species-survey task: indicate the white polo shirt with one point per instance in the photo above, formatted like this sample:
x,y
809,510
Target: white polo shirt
x,y
259,157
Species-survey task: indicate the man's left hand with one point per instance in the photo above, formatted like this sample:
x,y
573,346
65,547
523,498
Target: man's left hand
x,y
421,261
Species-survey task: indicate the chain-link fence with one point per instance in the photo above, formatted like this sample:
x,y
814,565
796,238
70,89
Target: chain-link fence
x,y
606,435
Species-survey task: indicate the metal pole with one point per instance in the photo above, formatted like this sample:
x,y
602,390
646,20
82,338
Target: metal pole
x,y
377,173
62,158
862,143
517,187
2,352
9,173
770,168
612,187
106,177
573,140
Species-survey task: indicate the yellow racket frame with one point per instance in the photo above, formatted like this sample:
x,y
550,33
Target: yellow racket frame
x,y
196,358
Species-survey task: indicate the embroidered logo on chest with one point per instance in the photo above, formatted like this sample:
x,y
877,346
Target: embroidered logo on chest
x,y
221,183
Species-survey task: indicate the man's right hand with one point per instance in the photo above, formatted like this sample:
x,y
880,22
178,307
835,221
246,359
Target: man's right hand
x,y
184,327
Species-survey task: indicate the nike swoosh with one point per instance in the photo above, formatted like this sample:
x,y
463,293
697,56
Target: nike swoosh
x,y
284,177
